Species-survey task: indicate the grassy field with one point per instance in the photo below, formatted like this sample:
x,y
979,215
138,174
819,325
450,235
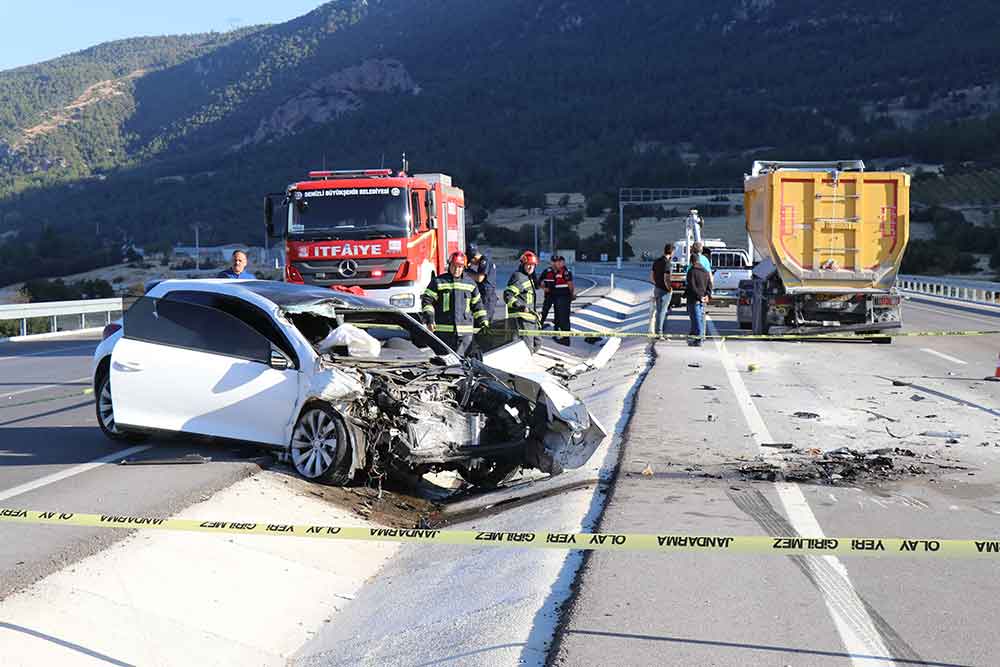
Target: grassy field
x,y
969,188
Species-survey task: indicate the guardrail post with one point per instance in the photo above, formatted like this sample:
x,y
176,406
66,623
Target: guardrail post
x,y
83,320
107,317
612,282
24,326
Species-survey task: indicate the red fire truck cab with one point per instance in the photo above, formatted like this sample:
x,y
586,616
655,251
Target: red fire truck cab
x,y
385,233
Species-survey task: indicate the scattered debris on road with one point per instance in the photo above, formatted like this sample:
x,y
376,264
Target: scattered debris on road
x,y
841,465
805,415
187,459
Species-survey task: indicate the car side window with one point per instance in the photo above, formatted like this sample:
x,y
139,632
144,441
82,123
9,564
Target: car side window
x,y
195,327
248,313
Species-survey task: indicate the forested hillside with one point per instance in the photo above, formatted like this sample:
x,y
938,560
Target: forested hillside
x,y
142,138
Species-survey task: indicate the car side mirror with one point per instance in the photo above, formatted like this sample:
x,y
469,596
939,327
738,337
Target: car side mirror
x,y
269,214
279,361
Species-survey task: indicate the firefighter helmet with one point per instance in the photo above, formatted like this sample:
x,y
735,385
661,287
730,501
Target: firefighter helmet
x,y
529,258
458,258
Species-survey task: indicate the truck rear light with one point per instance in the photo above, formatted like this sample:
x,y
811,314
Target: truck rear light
x,y
887,300
783,300
744,301
110,329
676,284
292,275
376,273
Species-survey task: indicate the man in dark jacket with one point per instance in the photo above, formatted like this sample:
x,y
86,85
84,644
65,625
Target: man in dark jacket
x,y
452,307
547,281
697,292
520,299
563,293
483,270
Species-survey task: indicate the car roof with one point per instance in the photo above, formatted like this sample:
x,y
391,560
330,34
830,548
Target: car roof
x,y
279,293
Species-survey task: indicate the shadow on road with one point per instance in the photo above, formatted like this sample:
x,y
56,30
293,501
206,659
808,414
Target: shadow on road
x,y
758,647
65,644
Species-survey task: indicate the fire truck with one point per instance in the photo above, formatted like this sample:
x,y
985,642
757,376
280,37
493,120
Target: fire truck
x,y
368,228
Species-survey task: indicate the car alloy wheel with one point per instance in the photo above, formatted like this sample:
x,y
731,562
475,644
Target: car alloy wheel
x,y
319,448
106,409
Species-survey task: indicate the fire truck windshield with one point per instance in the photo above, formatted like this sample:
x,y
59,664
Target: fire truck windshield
x,y
350,213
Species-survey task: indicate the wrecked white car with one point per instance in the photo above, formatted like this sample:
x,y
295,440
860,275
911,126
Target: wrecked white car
x,y
345,388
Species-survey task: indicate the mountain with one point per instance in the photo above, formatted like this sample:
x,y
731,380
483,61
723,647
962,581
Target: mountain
x,y
141,138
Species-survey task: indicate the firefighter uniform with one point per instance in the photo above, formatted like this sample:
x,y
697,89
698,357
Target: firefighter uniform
x,y
520,299
562,296
547,281
453,309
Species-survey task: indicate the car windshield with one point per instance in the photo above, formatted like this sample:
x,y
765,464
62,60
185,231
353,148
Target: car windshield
x,y
400,337
350,213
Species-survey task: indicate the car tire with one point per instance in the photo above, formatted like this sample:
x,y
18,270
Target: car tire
x,y
319,449
105,409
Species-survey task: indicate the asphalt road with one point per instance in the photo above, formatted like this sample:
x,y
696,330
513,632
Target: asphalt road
x,y
51,454
702,411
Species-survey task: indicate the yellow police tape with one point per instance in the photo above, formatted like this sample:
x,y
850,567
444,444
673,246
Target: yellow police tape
x,y
663,543
610,333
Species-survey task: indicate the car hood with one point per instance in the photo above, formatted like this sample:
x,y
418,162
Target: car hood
x,y
574,432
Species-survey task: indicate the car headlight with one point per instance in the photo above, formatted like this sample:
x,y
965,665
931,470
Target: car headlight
x,y
401,301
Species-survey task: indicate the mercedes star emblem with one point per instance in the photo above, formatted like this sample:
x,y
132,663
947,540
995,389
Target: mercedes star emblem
x,y
348,268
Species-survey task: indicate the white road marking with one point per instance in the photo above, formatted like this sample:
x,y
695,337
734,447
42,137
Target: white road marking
x,y
46,386
946,357
70,472
856,628
931,310
52,352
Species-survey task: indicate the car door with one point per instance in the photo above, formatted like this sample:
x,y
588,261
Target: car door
x,y
187,367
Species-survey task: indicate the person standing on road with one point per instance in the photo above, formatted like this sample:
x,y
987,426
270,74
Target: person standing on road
x,y
238,269
563,293
697,293
452,307
663,293
520,299
483,270
547,281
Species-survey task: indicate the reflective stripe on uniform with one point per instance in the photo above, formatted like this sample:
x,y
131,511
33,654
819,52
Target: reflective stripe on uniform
x,y
448,286
451,328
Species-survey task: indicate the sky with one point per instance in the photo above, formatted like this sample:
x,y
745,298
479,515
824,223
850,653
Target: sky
x,y
37,31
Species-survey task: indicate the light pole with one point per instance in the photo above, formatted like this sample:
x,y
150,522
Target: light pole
x,y
621,234
552,235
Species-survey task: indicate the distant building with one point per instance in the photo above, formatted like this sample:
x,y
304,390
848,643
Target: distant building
x,y
565,199
255,255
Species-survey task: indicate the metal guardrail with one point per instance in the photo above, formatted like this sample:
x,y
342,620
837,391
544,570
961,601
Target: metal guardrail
x,y
57,309
975,291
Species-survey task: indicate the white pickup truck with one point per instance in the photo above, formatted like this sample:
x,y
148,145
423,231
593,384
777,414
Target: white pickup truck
x,y
729,267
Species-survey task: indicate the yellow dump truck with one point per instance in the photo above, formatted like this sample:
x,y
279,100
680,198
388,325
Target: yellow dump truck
x,y
830,237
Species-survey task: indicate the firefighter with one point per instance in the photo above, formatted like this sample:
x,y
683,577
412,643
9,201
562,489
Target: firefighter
x,y
563,292
547,281
452,307
520,299
484,272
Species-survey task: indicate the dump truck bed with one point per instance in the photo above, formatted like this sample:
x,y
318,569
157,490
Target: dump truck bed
x,y
827,230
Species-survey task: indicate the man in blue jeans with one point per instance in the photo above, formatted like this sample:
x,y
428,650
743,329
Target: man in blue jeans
x,y
697,292
662,292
